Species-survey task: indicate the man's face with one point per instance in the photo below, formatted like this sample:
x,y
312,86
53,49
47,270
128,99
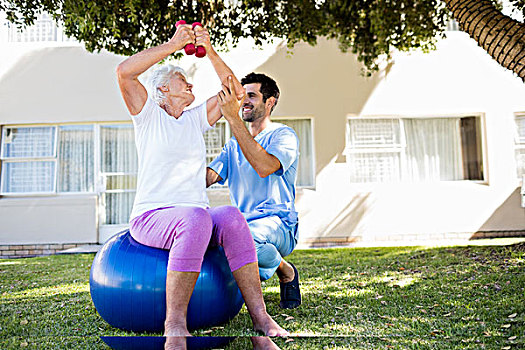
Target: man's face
x,y
253,107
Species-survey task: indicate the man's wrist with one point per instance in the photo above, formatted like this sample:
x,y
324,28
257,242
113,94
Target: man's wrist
x,y
229,117
232,118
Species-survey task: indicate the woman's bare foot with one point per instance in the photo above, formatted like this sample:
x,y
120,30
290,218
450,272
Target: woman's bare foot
x,y
263,343
265,324
176,329
175,343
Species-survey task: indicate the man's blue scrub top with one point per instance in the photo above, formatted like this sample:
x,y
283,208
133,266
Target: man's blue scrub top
x,y
258,197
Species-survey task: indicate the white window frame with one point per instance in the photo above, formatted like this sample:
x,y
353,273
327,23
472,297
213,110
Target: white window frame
x,y
35,32
278,119
483,137
227,136
15,35
393,148
99,184
452,25
54,158
101,181
98,176
519,142
105,229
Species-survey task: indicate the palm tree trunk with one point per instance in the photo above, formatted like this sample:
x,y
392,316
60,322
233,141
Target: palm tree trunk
x,y
501,36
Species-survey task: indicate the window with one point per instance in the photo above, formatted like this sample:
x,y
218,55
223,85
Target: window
x,y
216,138
51,159
28,159
520,145
374,149
414,149
76,158
303,129
452,25
118,171
34,157
44,29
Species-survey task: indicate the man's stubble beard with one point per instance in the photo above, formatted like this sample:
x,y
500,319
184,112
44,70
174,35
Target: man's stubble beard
x,y
254,115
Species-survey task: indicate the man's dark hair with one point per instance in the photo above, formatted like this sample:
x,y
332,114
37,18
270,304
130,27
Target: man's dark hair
x,y
268,85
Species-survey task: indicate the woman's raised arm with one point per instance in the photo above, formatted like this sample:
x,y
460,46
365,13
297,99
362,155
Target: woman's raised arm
x,y
128,71
222,70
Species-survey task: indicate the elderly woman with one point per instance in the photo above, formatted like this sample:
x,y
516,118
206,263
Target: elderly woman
x,y
171,207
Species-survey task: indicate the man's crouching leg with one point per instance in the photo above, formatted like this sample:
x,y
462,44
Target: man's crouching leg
x,y
273,241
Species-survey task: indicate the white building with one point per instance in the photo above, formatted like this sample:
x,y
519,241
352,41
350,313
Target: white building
x,y
432,147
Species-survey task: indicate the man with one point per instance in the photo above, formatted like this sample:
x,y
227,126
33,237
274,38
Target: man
x,y
260,165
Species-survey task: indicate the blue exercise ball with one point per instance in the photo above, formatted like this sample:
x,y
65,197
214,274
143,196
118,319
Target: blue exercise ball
x,y
128,287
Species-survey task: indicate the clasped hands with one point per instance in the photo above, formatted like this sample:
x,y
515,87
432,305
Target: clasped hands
x,y
188,34
230,101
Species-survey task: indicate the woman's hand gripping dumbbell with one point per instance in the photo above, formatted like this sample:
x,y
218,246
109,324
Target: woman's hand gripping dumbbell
x,y
190,49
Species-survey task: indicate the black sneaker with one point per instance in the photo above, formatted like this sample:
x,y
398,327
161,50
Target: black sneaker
x,y
290,293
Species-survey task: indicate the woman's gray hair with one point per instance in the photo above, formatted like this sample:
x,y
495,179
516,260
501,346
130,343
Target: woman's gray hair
x,y
161,77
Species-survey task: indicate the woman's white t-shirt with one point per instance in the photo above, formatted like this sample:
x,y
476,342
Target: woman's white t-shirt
x,y
172,158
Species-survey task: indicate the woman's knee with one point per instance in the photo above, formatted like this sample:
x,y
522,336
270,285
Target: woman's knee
x,y
229,218
230,228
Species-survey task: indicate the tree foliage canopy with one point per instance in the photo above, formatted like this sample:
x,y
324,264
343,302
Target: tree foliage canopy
x,y
369,28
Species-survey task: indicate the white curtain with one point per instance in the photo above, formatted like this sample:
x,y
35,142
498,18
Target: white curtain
x,y
520,129
303,129
520,146
520,162
76,159
119,166
433,149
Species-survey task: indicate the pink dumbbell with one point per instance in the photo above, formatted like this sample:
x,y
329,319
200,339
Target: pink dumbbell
x,y
189,48
200,51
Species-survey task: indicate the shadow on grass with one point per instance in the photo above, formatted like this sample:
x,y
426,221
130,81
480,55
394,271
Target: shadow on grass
x,y
373,298
427,296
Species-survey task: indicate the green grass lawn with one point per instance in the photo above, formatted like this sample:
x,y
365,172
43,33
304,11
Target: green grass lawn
x,y
463,297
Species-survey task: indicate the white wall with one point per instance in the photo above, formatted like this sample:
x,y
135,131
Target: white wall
x,y
56,219
59,84
67,84
456,79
